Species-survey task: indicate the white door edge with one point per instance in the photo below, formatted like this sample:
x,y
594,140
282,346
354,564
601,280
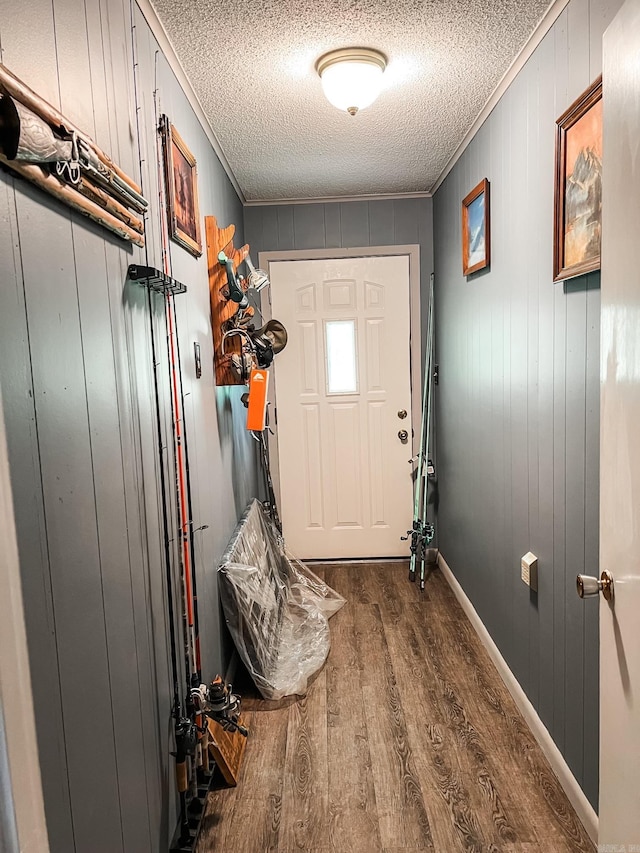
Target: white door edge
x,y
412,250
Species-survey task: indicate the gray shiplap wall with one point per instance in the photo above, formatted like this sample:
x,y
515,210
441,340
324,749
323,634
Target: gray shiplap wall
x,y
518,400
350,224
347,225
75,364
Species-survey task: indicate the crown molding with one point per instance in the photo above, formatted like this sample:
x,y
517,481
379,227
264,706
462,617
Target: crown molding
x,y
546,22
160,34
331,199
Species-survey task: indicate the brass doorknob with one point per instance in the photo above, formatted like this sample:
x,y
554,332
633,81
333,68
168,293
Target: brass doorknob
x,y
588,586
403,435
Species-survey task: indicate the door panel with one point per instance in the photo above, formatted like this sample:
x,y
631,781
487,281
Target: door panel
x,y
344,476
620,438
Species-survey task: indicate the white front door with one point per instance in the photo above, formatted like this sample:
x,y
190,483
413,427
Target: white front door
x,y
620,438
341,382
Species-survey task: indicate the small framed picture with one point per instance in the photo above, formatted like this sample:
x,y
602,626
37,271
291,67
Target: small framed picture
x,y
181,177
476,240
578,186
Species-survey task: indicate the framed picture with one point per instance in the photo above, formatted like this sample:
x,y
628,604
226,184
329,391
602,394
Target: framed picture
x,y
182,189
476,240
578,186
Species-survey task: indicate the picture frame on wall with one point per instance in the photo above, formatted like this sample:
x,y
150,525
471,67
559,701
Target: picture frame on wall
x,y
476,237
578,186
181,176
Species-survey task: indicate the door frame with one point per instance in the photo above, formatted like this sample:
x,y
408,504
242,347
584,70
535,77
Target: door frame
x,y
412,251
22,815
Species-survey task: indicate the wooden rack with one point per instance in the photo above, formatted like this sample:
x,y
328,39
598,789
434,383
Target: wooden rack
x,y
222,309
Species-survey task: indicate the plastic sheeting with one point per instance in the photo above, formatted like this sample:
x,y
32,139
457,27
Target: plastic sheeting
x,y
276,609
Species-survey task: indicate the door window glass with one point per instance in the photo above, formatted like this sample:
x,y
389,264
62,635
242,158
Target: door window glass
x,y
342,368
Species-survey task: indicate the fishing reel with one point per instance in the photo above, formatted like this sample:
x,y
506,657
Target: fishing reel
x,y
186,735
415,534
218,702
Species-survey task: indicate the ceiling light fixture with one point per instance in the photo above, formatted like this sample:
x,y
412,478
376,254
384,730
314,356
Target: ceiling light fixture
x,y
351,77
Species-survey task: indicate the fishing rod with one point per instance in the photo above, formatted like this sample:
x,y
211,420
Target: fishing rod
x,y
268,481
187,728
203,731
184,728
185,516
428,529
421,532
184,503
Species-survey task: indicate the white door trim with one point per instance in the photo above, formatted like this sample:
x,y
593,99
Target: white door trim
x,y
24,805
412,250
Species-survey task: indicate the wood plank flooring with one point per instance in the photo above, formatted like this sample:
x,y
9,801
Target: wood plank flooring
x,y
406,741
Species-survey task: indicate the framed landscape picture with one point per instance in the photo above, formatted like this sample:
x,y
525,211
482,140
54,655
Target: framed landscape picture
x,y
476,240
578,186
182,189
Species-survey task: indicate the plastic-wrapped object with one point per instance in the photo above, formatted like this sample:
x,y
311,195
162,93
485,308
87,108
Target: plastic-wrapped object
x,y
276,609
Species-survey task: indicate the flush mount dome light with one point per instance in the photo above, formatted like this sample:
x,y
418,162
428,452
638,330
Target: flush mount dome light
x,y
351,77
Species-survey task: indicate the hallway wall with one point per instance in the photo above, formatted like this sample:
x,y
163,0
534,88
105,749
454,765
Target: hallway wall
x,y
75,365
518,399
349,224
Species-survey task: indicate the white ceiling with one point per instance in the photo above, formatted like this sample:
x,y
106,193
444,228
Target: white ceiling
x,y
251,63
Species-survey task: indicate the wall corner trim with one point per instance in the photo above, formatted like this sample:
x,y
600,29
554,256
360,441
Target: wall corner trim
x,y
334,199
160,34
572,789
549,18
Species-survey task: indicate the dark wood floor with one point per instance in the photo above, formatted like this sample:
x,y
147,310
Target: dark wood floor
x,y
407,740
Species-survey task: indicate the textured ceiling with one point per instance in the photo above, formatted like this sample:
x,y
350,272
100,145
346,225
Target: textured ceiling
x,y
251,64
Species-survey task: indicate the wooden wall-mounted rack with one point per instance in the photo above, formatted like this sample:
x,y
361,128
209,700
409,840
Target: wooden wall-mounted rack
x,y
222,309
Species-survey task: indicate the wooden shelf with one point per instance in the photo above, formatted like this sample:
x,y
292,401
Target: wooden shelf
x,y
222,309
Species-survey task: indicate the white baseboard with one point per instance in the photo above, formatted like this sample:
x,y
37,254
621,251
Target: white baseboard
x,y
572,789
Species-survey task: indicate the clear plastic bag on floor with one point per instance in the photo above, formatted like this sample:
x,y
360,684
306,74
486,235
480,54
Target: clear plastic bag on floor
x,y
276,609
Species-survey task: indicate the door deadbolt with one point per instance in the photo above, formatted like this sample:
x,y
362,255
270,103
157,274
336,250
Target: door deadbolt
x,y
403,435
402,414
588,586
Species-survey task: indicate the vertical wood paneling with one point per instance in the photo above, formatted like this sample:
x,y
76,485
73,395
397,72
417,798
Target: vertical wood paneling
x,y
575,445
354,221
601,13
308,225
519,384
381,230
65,457
332,226
535,192
343,224
253,225
497,474
22,440
517,402
405,221
578,45
72,53
115,558
286,231
76,366
542,167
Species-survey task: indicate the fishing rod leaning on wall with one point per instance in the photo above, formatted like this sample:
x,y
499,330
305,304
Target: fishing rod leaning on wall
x,y
193,702
422,530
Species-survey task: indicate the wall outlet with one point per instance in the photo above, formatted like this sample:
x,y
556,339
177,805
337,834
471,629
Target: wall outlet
x,y
529,570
